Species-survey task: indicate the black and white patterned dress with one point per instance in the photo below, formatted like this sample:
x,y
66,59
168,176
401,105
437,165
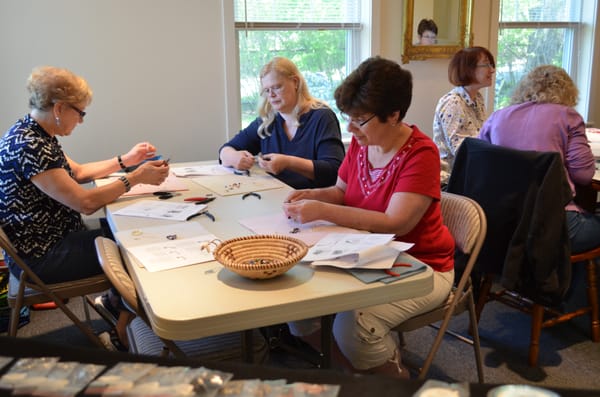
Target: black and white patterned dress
x,y
33,221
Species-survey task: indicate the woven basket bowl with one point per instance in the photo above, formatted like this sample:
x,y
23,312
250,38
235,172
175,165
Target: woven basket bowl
x,y
260,256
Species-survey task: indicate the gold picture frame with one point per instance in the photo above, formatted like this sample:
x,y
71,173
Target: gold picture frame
x,y
413,51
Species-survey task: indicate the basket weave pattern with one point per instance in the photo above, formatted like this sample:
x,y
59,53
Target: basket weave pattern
x,y
260,256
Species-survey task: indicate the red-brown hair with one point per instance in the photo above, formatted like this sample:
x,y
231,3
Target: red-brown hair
x,y
462,66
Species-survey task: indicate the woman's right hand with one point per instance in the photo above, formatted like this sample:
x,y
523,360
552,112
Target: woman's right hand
x,y
245,160
238,159
151,172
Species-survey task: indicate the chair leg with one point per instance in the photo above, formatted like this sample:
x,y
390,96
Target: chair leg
x,y
15,313
592,290
16,310
484,291
85,328
86,310
537,315
476,341
436,344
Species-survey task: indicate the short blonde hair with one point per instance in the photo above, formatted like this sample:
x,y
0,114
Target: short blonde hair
x,y
285,68
48,85
546,84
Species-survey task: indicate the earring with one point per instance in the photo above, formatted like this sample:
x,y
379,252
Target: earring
x,y
57,120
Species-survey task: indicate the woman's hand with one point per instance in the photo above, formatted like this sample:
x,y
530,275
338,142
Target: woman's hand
x,y
301,194
140,152
303,211
238,159
274,163
151,172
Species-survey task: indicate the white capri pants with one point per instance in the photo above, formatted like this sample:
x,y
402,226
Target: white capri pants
x,y
363,335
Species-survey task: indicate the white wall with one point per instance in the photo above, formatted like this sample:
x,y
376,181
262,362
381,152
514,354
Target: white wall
x,y
430,77
156,69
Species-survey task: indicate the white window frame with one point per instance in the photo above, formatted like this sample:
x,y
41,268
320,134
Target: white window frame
x,y
579,51
364,39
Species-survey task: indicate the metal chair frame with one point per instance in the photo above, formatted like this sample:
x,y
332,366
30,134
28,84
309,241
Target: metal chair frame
x,y
109,256
467,222
29,289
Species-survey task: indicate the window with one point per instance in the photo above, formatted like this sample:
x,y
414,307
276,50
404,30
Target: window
x,y
533,33
322,37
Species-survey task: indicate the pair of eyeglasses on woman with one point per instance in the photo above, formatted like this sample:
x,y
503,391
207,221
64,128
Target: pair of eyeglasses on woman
x,y
357,122
276,89
75,108
485,65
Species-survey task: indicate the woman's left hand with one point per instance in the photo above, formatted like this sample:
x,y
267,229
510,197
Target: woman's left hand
x,y
140,152
273,163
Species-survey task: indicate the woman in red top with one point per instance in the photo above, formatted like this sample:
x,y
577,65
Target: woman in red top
x,y
389,182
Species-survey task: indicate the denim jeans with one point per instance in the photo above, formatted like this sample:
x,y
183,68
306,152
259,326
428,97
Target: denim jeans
x,y
584,231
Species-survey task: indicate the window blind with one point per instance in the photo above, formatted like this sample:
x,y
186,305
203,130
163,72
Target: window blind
x,y
297,14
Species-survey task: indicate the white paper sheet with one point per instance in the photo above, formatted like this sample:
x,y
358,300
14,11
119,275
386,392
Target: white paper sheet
x,y
161,210
170,184
336,245
212,169
166,247
380,257
278,223
368,251
229,185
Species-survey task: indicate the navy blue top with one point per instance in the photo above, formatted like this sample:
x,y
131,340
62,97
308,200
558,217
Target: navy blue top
x,y
32,220
318,138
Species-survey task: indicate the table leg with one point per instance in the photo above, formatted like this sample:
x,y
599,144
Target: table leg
x,y
248,345
326,340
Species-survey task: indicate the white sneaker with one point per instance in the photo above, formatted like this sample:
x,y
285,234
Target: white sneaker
x,y
402,370
105,339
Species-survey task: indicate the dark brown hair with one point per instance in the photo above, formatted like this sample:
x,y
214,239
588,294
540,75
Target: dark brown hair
x,y
378,86
427,24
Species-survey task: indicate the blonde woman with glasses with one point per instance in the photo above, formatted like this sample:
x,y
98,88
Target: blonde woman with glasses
x,y
296,137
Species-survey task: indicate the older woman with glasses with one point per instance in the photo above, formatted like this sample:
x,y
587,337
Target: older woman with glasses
x,y
41,192
297,138
388,183
460,113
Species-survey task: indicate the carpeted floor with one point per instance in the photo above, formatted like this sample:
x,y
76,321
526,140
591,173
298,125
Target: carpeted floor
x,y
567,359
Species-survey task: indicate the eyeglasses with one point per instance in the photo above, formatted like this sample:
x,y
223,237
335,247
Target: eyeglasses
x,y
358,123
75,108
276,89
486,65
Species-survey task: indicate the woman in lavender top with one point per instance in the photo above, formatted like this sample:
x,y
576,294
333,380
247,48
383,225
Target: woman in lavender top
x,y
541,117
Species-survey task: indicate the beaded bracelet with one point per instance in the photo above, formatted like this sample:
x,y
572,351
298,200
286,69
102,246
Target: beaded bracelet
x,y
126,183
121,164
